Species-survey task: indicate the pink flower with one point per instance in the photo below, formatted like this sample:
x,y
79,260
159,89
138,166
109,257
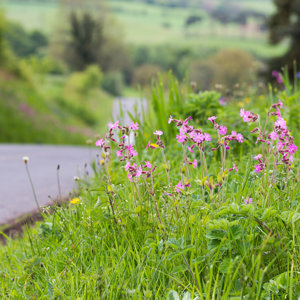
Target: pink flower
x,y
100,142
127,166
148,145
258,168
222,130
239,138
195,163
179,187
212,119
181,138
139,172
119,153
277,76
281,123
131,151
259,156
280,104
234,166
191,148
148,165
198,138
248,200
158,132
207,137
292,148
114,125
134,126
182,130
245,115
129,177
273,136
170,119
186,121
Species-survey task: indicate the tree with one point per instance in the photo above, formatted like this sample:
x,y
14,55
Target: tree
x,y
285,23
90,36
85,41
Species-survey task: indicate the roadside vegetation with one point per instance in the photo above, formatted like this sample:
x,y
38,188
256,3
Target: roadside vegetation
x,y
204,205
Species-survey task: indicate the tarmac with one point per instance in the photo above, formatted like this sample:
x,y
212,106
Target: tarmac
x,y
16,197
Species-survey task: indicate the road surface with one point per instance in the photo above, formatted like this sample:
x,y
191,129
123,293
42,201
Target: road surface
x,y
16,197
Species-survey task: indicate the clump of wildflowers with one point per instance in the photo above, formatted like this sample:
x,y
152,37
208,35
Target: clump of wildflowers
x,y
277,145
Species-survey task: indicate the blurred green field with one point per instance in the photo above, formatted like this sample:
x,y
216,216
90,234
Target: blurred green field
x,y
145,24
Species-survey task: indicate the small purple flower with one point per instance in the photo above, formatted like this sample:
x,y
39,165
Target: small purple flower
x,y
119,153
158,133
258,168
207,137
114,125
127,166
222,130
139,172
234,166
198,138
134,126
212,119
147,164
239,137
292,148
259,156
179,187
223,101
276,75
281,123
195,163
129,176
170,119
191,148
181,138
100,142
273,136
248,200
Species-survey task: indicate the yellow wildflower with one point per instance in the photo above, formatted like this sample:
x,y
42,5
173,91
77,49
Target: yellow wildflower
x,y
75,201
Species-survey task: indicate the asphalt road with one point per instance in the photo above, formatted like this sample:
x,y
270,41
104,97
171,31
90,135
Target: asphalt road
x,y
16,197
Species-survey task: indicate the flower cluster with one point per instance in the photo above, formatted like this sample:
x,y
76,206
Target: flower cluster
x,y
248,116
126,151
222,130
279,142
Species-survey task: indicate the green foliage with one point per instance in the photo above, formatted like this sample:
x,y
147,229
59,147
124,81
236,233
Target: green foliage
x,y
113,83
24,43
203,105
207,243
83,82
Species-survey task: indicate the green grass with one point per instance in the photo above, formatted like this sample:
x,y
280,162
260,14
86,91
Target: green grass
x,y
123,240
41,111
32,15
144,24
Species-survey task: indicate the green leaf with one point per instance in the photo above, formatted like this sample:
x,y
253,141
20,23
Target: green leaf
x,y
216,234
